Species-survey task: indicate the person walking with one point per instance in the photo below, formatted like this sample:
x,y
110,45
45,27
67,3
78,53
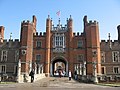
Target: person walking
x,y
32,75
59,71
75,75
70,75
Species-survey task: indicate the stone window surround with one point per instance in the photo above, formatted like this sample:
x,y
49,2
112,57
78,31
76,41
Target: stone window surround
x,y
59,42
1,68
60,38
40,42
104,70
37,55
4,55
116,55
114,69
80,43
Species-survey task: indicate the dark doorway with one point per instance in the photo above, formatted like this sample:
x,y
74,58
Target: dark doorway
x,y
58,65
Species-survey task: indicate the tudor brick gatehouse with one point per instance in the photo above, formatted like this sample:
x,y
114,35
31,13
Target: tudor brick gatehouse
x,y
59,48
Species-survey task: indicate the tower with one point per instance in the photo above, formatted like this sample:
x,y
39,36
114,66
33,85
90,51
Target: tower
x,y
47,43
26,42
92,46
1,34
70,44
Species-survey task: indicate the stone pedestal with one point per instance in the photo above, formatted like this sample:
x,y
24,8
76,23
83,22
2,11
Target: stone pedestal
x,y
95,79
19,76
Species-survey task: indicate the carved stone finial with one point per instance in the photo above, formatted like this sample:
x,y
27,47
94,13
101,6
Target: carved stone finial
x,y
109,36
48,16
110,44
67,20
59,21
85,19
10,36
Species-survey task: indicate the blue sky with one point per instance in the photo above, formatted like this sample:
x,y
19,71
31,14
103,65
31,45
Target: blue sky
x,y
106,12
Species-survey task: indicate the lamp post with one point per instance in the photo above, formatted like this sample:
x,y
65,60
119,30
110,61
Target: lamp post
x,y
95,79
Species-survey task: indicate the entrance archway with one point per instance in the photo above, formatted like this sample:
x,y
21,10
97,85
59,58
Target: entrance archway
x,y
58,63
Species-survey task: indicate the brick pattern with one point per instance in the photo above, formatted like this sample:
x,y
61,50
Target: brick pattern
x,y
12,48
91,43
109,64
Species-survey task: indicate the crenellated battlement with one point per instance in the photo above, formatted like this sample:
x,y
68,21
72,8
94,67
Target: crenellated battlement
x,y
27,22
92,22
42,34
11,40
59,27
78,34
10,43
5,41
115,42
105,41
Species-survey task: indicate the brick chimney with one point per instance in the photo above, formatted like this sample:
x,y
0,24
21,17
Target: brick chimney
x,y
118,27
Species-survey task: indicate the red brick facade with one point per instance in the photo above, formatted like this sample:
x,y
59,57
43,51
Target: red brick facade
x,y
1,34
68,53
59,48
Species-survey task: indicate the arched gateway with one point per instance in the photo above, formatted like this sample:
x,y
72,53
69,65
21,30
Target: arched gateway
x,y
58,63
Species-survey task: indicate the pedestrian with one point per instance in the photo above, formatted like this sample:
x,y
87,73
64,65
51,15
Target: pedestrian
x,y
59,71
32,75
75,75
70,75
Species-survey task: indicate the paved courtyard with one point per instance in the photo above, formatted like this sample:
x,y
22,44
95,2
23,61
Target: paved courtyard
x,y
55,83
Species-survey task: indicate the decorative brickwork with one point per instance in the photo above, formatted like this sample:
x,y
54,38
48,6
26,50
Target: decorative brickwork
x,y
59,48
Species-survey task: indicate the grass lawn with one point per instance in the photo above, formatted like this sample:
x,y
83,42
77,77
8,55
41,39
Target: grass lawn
x,y
7,82
110,84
